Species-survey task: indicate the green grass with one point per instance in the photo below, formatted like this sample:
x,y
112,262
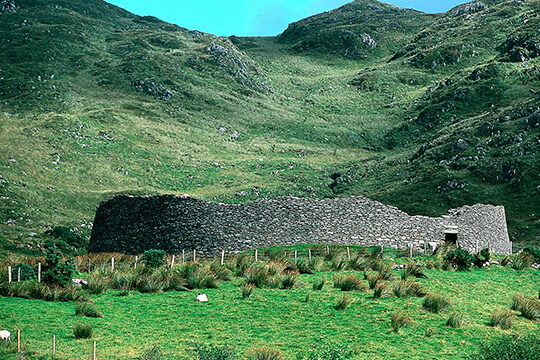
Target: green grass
x,y
279,319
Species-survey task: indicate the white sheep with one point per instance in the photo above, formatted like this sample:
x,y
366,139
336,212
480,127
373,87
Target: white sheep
x,y
5,335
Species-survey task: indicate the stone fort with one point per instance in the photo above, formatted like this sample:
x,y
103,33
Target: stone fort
x,y
132,225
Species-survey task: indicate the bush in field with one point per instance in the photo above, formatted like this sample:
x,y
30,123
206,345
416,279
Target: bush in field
x,y
399,320
27,272
503,319
435,303
456,320
407,288
265,353
516,347
88,310
348,283
460,258
344,302
210,352
154,258
523,261
82,331
57,272
482,257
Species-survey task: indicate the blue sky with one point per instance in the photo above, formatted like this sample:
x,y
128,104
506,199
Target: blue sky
x,y
252,17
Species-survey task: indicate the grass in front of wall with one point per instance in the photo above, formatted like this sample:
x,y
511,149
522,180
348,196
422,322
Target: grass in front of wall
x,y
280,319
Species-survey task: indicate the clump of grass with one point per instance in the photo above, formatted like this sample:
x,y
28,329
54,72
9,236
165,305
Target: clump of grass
x,y
257,276
82,331
407,288
98,284
414,270
358,264
209,352
430,331
523,261
348,283
379,290
436,303
153,353
372,280
456,320
400,320
344,302
517,302
289,281
265,353
528,307
88,310
247,290
308,297
503,319
319,284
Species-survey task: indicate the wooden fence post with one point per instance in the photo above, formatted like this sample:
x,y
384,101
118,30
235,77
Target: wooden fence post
x,y
382,251
19,275
172,262
183,256
295,256
39,272
256,255
327,250
112,264
54,344
348,253
89,265
9,273
222,256
136,260
18,340
94,352
194,255
309,254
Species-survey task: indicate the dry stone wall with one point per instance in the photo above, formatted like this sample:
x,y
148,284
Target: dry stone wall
x,y
173,223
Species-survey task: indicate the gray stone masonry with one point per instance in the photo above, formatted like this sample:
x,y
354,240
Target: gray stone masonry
x,y
132,225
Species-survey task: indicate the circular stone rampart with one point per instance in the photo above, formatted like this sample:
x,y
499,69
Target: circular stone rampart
x,y
132,225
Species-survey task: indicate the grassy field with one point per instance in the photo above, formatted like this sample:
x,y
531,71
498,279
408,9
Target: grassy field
x,y
290,320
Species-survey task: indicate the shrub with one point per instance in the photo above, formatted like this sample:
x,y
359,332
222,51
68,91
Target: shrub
x,y
348,283
154,258
88,310
523,261
535,253
460,258
482,257
151,285
503,319
319,284
27,272
414,270
153,353
344,302
69,237
82,331
407,288
456,320
516,347
289,281
399,320
209,352
379,290
265,353
247,291
372,279
435,303
57,272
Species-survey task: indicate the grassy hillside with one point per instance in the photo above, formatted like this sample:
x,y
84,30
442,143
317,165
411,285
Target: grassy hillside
x,y
96,101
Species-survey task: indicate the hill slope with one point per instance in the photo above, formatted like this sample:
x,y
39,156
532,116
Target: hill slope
x,y
96,101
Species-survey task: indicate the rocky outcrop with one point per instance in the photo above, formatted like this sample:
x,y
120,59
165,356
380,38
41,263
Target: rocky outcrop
x,y
133,225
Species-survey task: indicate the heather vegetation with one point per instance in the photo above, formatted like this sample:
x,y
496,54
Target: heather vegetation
x,y
268,309
425,112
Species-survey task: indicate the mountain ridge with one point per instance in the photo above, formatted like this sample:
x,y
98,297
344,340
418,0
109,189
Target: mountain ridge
x,y
95,101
